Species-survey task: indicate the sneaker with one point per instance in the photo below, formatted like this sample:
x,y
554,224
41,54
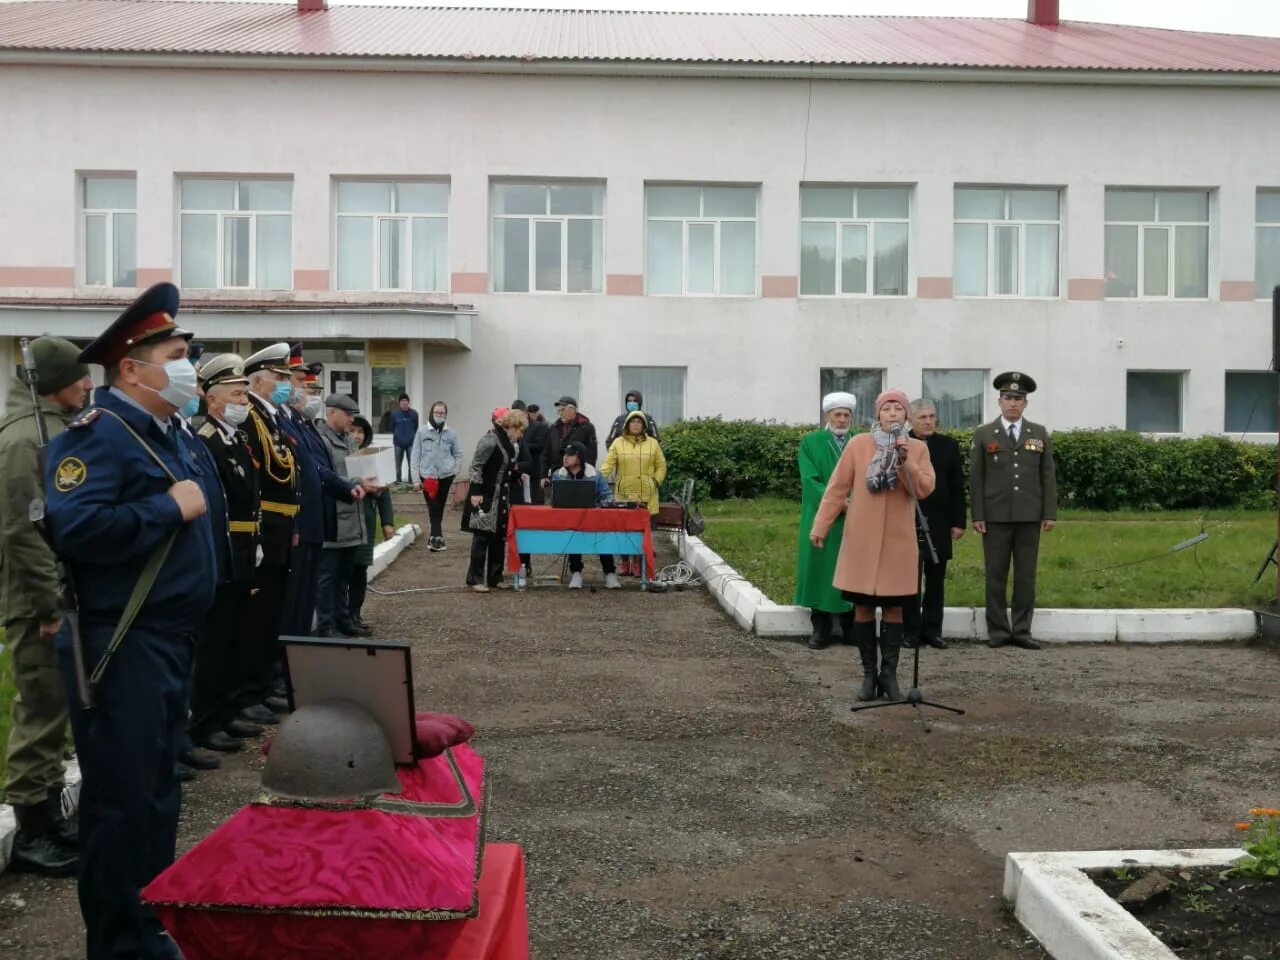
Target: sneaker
x,y
440,544
575,582
611,582
480,588
435,544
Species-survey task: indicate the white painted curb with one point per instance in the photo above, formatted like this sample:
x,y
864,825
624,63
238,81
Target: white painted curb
x,y
753,611
383,556
1071,916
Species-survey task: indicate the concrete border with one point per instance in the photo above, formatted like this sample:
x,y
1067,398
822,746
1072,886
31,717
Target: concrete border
x,y
384,554
1071,916
755,612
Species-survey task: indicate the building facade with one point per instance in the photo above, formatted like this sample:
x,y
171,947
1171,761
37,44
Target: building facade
x,y
733,241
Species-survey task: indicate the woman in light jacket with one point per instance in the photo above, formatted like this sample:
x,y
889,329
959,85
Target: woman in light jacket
x,y
636,463
879,564
434,460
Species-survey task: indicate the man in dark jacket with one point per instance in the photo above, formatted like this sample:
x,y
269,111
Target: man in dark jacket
x,y
633,401
404,427
944,509
535,441
570,427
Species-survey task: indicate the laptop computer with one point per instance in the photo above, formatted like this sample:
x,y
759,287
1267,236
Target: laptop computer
x,y
573,493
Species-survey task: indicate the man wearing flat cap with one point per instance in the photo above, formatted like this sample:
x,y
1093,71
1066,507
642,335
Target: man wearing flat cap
x,y
816,566
31,599
1014,489
344,527
127,502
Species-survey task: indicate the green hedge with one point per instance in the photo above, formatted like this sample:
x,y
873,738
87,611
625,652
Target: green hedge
x,y
1097,469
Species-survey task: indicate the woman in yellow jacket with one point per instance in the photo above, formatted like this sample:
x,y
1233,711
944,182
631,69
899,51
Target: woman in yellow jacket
x,y
636,463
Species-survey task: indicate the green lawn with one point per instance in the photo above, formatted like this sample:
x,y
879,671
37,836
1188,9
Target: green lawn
x,y
758,537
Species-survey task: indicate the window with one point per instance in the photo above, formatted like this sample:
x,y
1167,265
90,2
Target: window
x,y
1266,270
1157,243
661,387
548,238
853,240
392,236
958,396
866,385
1251,401
700,240
1154,401
1006,242
544,384
237,233
110,221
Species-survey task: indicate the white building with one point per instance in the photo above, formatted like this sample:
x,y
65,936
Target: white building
x,y
733,213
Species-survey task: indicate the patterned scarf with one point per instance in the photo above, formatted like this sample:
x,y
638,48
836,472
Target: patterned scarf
x,y
882,472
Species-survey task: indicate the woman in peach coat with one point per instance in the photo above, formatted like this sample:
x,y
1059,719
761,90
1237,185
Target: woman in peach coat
x,y
879,563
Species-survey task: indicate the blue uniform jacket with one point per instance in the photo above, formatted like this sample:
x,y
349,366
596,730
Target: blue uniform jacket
x,y
318,484
108,509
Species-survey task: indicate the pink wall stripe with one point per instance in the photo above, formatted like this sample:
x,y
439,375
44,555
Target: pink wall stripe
x,y
37,276
1086,288
470,283
147,276
624,285
933,288
311,279
1234,290
779,286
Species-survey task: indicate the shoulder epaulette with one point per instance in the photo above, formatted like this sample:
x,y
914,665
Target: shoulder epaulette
x,y
208,430
85,418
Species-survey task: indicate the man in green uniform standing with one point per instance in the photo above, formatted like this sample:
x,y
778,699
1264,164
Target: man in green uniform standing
x,y
1015,497
816,566
29,596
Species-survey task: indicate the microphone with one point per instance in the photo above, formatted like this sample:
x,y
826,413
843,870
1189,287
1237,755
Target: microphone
x,y
898,431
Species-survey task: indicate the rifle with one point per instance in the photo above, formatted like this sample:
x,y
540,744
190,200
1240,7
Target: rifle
x,y
35,512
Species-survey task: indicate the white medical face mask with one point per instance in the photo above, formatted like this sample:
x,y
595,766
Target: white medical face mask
x,y
313,407
182,381
235,413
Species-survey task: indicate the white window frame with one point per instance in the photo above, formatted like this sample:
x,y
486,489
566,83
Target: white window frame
x,y
222,217
1171,259
701,220
1258,226
536,218
82,272
378,217
1021,226
856,221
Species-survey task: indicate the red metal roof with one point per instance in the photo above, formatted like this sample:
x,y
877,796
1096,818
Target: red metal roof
x,y
277,29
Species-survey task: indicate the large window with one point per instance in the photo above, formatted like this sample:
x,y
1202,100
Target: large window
x,y
957,394
548,238
1006,242
110,231
392,236
1157,243
864,384
1266,270
1251,401
1154,401
237,233
700,240
661,387
544,384
853,240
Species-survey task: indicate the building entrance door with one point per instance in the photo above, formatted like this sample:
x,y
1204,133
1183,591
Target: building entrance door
x,y
350,380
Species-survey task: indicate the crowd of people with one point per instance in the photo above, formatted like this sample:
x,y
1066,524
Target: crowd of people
x,y
880,511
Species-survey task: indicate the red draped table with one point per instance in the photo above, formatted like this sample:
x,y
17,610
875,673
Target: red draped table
x,y
580,530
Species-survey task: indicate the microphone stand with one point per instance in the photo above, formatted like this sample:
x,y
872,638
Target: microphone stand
x,y
914,699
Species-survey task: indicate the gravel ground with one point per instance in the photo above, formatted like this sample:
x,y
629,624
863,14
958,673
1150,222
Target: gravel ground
x,y
684,791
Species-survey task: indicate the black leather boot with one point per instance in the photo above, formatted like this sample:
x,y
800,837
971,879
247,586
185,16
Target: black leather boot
x,y
847,635
820,639
36,848
66,830
864,636
890,644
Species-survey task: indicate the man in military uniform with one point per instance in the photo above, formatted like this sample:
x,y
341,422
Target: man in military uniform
x,y
1015,496
275,453
220,647
126,508
31,600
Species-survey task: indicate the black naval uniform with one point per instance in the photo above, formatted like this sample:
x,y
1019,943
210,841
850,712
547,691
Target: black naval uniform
x,y
223,648
273,455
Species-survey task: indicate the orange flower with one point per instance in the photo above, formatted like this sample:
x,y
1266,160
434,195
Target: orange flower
x,y
1264,812
1243,826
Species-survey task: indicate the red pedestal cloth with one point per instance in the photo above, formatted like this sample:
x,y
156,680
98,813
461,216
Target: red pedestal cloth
x,y
591,520
317,878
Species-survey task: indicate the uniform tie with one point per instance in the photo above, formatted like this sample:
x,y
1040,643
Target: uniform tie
x,y
1013,432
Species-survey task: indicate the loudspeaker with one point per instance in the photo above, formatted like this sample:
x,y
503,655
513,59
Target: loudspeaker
x,y
1275,329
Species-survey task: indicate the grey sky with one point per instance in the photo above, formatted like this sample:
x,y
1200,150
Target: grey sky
x,y
1218,16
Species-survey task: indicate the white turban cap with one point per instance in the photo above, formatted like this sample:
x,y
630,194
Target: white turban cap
x,y
839,400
